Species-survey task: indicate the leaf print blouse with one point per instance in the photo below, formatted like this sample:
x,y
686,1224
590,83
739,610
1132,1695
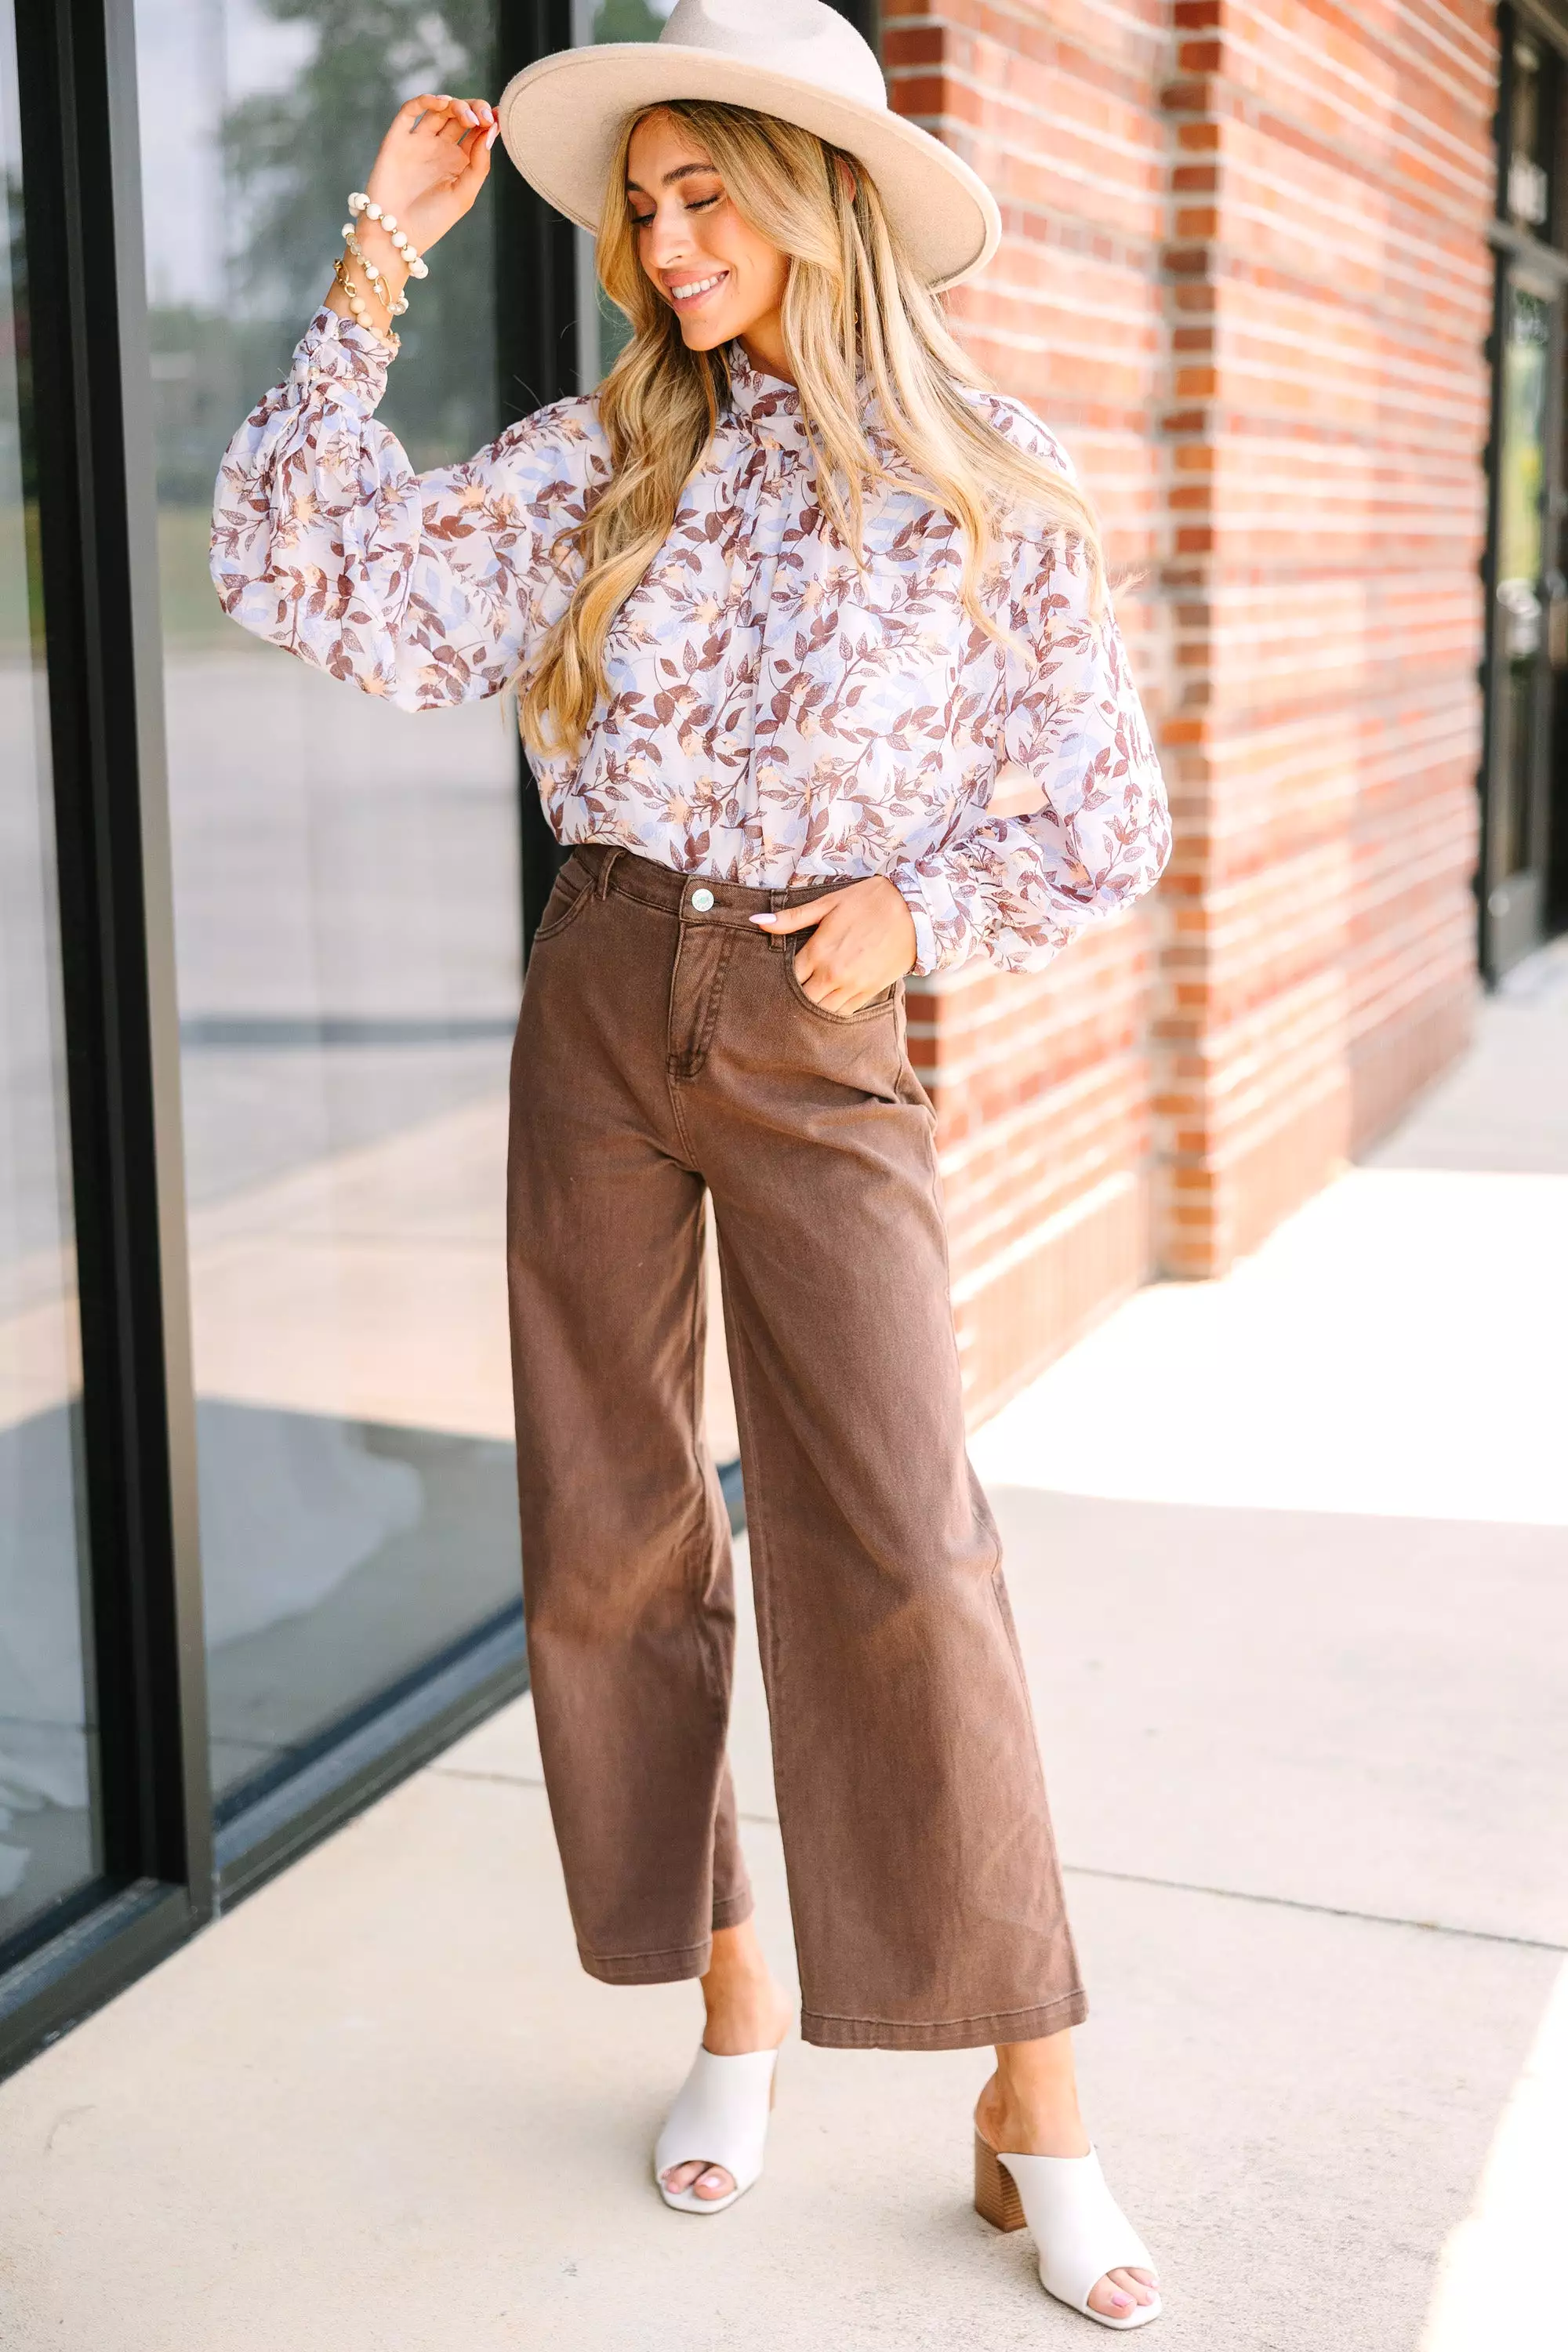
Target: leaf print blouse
x,y
775,715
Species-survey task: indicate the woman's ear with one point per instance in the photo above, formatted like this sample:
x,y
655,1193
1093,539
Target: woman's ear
x,y
848,185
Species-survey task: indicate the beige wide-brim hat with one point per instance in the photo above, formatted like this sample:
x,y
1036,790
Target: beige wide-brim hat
x,y
563,118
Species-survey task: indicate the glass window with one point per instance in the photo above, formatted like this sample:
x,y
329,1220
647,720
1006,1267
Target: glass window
x,y
347,902
48,1759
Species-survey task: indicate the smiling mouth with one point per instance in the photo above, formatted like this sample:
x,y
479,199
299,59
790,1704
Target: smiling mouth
x,y
696,290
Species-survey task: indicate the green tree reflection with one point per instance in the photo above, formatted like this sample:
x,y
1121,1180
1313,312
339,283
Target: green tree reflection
x,y
628,20
289,157
293,155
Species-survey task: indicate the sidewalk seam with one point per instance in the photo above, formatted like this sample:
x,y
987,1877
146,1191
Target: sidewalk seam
x,y
1299,1902
1173,1886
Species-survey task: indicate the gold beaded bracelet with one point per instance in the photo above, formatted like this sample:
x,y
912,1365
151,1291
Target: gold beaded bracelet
x,y
392,304
355,300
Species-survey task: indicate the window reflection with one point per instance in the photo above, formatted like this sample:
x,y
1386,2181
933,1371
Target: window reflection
x,y
1521,561
46,1756
347,923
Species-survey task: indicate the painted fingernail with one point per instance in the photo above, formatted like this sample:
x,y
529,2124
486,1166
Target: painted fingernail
x,y
492,134
765,918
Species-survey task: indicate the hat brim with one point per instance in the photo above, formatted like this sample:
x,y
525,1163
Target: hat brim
x,y
561,119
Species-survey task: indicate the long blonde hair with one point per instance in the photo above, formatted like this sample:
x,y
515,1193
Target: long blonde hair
x,y
854,307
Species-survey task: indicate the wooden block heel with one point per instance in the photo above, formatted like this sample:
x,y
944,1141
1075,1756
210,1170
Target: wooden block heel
x,y
996,2199
1081,2232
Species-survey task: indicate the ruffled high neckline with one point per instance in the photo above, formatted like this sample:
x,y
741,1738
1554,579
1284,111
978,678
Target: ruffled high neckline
x,y
765,404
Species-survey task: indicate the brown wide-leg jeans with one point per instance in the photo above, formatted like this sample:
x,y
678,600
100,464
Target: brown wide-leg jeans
x,y
666,1048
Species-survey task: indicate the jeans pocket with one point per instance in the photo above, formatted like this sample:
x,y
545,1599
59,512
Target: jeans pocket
x,y
574,888
876,1010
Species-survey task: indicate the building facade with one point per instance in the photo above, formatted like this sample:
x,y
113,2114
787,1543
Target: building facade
x,y
1250,273
1289,282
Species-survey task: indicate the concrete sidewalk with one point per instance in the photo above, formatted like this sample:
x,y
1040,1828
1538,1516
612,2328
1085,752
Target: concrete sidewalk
x,y
1289,1557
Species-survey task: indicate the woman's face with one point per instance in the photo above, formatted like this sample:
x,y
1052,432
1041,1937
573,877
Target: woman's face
x,y
718,275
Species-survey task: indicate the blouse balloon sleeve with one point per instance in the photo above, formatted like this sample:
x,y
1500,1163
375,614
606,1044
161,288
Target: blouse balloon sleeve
x,y
1074,748
427,589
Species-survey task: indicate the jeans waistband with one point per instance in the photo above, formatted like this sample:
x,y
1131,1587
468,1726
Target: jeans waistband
x,y
622,870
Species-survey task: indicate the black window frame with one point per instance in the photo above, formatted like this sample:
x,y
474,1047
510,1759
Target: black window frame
x,y
104,704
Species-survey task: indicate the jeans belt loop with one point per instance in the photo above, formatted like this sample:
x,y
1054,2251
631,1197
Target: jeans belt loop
x,y
606,867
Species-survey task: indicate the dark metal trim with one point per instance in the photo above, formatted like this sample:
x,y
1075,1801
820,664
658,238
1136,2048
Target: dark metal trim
x,y
536,353
393,1742
1485,826
180,1599
536,305
866,18
90,1962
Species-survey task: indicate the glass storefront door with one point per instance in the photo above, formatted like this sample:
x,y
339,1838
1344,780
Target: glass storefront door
x,y
1528,620
1524,831
347,919
50,1845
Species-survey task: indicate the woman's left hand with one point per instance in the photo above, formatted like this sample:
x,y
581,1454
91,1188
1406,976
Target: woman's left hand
x,y
862,940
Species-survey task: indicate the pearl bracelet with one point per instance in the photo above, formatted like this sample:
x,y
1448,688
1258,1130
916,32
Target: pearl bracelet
x,y
360,202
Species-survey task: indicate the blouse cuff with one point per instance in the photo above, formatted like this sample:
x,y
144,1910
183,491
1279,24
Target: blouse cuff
x,y
907,882
345,356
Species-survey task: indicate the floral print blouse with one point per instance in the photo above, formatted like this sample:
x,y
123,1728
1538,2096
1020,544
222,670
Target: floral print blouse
x,y
775,715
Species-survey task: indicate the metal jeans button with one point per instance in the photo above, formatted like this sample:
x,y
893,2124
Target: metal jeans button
x,y
702,900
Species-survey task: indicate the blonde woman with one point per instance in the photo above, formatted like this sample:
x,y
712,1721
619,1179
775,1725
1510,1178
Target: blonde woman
x,y
817,676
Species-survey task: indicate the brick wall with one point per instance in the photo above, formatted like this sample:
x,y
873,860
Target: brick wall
x,y
1244,275
1329,291
1043,1084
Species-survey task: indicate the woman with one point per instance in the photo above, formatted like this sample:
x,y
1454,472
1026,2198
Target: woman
x,y
815,670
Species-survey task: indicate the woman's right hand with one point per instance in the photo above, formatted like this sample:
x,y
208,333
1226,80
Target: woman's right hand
x,y
433,162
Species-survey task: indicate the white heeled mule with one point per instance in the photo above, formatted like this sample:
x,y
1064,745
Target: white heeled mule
x,y
1079,2229
719,2117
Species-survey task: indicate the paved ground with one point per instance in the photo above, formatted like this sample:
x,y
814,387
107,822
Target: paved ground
x,y
1290,1563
